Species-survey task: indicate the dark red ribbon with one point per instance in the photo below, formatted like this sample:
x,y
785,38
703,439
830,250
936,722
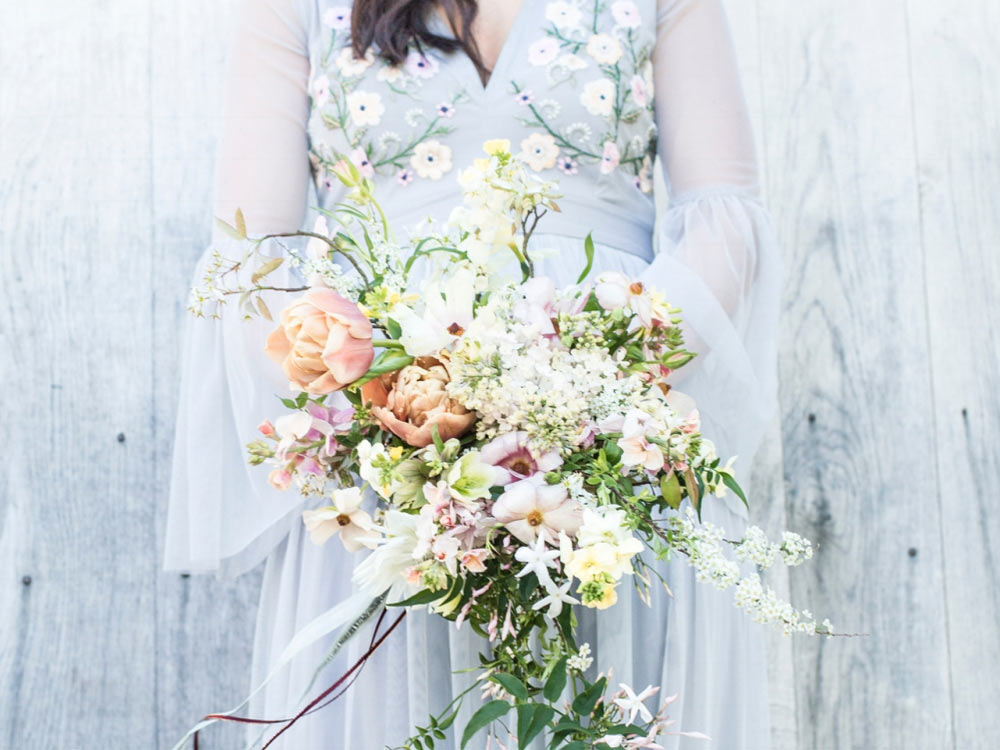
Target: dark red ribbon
x,y
312,706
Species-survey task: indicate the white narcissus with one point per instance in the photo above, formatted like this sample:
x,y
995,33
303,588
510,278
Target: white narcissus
x,y
344,517
531,508
447,313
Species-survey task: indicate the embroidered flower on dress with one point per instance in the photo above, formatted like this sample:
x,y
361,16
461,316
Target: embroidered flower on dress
x,y
640,93
599,97
444,109
360,159
390,73
568,165
524,98
320,91
431,159
365,107
571,62
626,14
420,66
564,15
610,157
338,17
543,51
350,66
540,151
405,177
604,48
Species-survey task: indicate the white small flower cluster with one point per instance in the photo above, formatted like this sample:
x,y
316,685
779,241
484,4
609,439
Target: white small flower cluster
x,y
704,545
581,660
767,608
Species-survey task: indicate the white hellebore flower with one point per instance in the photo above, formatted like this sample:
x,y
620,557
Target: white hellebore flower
x,y
537,559
470,479
615,290
365,107
632,704
556,597
444,319
530,509
599,97
343,517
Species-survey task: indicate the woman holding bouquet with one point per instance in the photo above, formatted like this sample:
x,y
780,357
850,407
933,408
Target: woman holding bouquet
x,y
589,93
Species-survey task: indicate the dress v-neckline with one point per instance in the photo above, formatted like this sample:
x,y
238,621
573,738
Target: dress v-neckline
x,y
469,70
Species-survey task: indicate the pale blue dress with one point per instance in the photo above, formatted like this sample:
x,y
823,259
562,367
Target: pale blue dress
x,y
590,92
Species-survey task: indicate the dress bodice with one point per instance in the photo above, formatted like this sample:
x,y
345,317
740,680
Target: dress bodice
x,y
572,90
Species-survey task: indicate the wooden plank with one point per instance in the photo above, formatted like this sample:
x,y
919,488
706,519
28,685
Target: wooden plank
x,y
77,650
956,84
855,387
205,624
767,488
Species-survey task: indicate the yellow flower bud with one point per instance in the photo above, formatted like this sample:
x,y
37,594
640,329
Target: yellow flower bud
x,y
497,146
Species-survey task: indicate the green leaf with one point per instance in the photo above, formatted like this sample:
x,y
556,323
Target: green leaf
x,y
670,486
289,404
421,597
483,718
436,437
542,716
565,621
588,248
575,745
511,684
733,485
525,718
393,328
556,682
585,701
614,453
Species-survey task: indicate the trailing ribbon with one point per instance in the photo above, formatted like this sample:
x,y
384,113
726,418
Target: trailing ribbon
x,y
358,606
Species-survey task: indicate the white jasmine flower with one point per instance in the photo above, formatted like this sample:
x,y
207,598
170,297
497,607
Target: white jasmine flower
x,y
537,559
632,704
555,597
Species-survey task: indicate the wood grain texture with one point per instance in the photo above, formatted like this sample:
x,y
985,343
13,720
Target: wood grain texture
x,y
955,65
878,122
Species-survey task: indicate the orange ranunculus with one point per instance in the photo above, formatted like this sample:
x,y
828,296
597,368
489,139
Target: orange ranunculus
x,y
410,401
323,343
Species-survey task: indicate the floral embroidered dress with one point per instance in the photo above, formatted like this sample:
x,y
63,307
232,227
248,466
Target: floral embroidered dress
x,y
590,91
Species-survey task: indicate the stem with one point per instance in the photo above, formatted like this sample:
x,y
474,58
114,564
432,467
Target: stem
x,y
328,241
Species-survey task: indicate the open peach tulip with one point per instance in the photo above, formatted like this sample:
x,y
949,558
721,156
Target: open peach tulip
x,y
411,401
323,342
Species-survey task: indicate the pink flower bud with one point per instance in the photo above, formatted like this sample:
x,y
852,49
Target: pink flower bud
x,y
280,479
266,428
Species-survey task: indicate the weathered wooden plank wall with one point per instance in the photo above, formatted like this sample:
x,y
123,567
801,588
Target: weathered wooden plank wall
x,y
879,126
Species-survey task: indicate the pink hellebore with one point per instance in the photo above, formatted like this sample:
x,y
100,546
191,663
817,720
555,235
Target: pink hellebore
x,y
636,449
511,456
530,508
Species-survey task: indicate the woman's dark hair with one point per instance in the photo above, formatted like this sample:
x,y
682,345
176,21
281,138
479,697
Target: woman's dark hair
x,y
391,26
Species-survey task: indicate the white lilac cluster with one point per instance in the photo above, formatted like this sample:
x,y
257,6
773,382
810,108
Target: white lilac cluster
x,y
704,544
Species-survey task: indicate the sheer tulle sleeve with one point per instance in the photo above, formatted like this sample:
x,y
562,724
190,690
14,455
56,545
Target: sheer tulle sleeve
x,y
717,257
222,512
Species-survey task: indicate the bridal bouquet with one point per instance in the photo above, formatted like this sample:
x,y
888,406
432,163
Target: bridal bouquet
x,y
507,451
